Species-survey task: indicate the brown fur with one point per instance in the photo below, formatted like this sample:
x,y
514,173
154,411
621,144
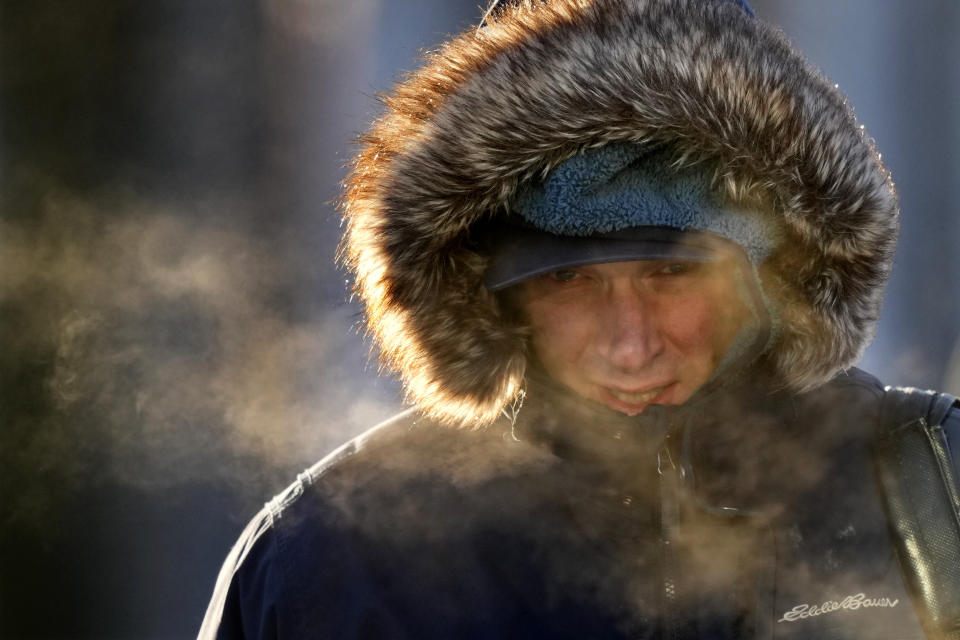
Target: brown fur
x,y
491,109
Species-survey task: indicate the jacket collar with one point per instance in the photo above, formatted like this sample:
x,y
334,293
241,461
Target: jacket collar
x,y
728,442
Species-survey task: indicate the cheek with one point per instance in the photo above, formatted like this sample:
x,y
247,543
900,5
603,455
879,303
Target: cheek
x,y
560,334
702,327
557,336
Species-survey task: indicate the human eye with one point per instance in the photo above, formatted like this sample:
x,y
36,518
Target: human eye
x,y
676,269
563,275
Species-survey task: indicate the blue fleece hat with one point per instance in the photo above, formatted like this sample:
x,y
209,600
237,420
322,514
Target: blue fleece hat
x,y
621,202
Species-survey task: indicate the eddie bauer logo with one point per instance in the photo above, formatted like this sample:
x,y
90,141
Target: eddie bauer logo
x,y
851,603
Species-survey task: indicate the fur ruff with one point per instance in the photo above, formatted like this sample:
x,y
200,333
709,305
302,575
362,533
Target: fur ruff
x,y
543,81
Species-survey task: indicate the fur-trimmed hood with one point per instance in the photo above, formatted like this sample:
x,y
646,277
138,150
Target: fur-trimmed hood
x,y
543,81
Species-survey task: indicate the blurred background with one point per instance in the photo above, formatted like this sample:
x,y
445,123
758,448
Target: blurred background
x,y
176,341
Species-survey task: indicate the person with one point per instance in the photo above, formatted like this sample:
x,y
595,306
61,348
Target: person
x,y
623,254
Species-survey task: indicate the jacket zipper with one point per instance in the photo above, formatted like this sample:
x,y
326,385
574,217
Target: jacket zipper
x,y
669,526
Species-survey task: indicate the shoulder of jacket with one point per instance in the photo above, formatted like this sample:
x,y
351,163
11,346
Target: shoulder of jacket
x,y
903,405
854,378
404,450
271,551
853,393
952,421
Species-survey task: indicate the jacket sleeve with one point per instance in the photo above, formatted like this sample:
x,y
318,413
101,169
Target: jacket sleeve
x,y
244,599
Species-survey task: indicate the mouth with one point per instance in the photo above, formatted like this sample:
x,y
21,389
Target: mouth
x,y
633,402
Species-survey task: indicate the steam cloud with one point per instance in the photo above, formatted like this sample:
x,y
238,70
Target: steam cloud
x,y
160,354
149,349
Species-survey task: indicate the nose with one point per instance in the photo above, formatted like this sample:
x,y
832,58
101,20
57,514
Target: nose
x,y
633,337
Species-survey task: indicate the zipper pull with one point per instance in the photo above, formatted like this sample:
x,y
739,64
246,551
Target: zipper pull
x,y
664,456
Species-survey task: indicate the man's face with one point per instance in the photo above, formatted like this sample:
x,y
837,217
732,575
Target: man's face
x,y
631,334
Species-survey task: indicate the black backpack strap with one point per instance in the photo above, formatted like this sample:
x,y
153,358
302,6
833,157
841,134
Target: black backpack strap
x,y
923,503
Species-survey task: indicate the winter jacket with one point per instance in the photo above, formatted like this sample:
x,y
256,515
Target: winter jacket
x,y
753,514
750,511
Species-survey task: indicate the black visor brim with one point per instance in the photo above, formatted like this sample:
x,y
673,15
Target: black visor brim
x,y
520,253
